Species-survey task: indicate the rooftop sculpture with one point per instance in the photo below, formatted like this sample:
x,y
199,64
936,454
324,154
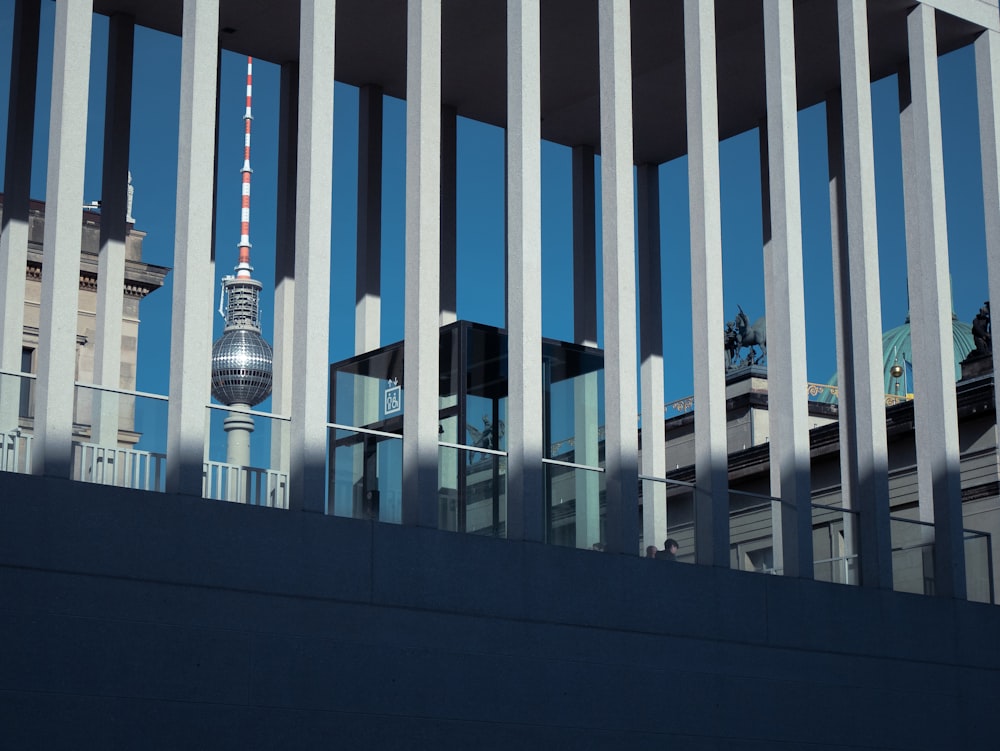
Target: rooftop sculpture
x,y
740,334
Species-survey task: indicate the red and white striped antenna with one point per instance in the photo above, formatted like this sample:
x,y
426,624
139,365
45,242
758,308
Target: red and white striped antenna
x,y
244,268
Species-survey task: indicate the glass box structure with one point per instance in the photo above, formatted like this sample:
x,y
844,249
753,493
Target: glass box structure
x,y
368,399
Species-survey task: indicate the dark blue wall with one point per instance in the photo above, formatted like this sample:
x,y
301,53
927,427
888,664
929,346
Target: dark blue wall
x,y
133,620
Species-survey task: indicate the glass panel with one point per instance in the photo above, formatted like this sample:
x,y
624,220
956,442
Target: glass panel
x,y
367,390
575,430
485,384
832,559
486,423
26,400
473,492
680,522
978,566
366,476
16,422
451,471
119,439
576,507
751,533
912,556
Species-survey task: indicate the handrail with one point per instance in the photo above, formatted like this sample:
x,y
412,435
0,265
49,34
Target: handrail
x,y
850,557
572,465
837,509
121,392
248,411
467,447
760,496
366,431
162,398
666,481
17,374
921,522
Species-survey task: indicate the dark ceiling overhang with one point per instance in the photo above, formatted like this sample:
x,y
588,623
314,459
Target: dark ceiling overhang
x,y
371,49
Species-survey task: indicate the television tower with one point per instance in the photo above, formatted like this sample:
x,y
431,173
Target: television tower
x,y
242,360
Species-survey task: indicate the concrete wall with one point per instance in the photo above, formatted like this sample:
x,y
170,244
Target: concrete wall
x,y
134,620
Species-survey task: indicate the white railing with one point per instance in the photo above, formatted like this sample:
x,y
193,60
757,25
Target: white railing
x,y
15,453
253,485
146,470
124,468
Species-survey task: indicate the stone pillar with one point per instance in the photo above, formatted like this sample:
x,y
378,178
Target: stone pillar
x,y
16,201
988,94
525,510
653,457
935,408
114,230
423,263
788,407
711,499
863,452
621,442
284,266
585,397
191,337
313,212
54,394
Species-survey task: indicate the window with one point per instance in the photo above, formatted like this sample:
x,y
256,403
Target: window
x,y
26,406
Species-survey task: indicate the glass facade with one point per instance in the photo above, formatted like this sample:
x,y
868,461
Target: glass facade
x,y
368,402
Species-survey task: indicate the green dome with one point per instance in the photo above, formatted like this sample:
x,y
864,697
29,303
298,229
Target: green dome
x,y
897,348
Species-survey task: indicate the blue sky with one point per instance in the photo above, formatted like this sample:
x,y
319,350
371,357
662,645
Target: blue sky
x,y
481,210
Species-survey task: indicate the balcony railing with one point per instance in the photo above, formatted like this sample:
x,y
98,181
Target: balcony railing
x,y
15,454
255,486
124,468
146,470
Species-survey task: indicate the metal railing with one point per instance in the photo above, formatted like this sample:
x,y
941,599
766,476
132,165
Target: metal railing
x,y
124,468
256,486
15,453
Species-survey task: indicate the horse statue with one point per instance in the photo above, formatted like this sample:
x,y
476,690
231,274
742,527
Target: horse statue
x,y
484,438
739,334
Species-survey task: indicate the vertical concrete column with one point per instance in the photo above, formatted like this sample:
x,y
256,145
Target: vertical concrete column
x,y
711,500
284,265
621,433
585,398
847,424
61,266
525,512
653,457
313,214
987,48
587,451
788,411
16,201
864,460
423,263
935,411
114,229
584,247
368,301
449,214
191,331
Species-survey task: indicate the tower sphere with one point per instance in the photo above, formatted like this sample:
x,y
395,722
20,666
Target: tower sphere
x,y
242,367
